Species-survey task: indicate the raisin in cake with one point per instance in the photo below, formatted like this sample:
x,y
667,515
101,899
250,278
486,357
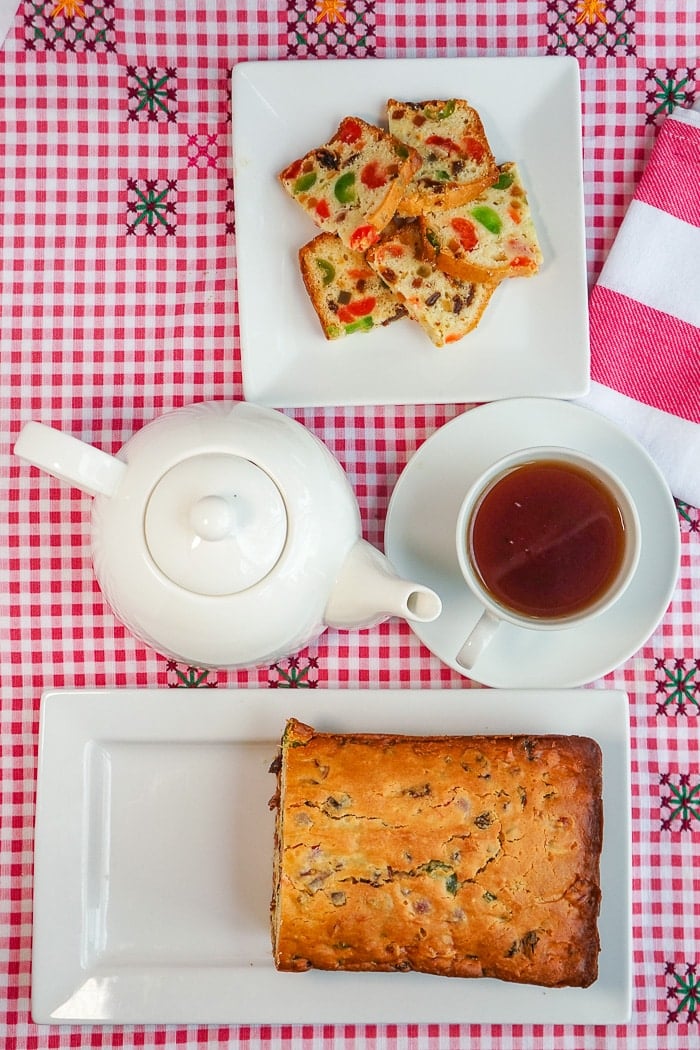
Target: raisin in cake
x,y
352,185
456,159
492,236
461,856
445,307
347,295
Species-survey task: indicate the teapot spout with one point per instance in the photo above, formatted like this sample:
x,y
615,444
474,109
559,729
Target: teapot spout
x,y
368,590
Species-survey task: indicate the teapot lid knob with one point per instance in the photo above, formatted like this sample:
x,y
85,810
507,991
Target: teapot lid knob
x,y
215,524
213,517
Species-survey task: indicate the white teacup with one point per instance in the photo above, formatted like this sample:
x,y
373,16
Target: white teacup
x,y
547,538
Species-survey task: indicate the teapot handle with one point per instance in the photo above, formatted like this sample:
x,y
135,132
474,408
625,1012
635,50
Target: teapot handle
x,y
69,459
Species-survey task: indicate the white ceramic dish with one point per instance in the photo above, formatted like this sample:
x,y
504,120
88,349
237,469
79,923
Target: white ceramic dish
x,y
153,859
532,340
420,531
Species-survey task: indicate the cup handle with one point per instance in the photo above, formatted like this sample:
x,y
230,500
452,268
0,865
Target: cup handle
x,y
477,641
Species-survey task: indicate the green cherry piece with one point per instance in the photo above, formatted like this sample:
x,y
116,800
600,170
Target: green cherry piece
x,y
443,112
363,325
344,188
304,182
504,180
488,218
432,238
327,270
452,884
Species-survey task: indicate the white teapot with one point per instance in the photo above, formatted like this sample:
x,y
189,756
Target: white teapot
x,y
227,535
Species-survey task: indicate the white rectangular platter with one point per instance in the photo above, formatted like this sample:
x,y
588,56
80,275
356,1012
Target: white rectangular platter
x,y
533,338
153,858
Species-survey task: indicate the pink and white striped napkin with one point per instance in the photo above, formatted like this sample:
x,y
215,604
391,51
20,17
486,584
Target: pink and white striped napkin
x,y
645,311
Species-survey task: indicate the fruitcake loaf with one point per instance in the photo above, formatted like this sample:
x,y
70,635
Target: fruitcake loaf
x,y
352,185
456,159
492,236
461,856
445,307
347,295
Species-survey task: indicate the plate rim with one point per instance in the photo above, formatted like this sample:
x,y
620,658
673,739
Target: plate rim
x,y
242,715
424,631
282,388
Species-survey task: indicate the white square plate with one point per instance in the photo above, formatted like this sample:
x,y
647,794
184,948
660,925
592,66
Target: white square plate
x,y
153,858
533,338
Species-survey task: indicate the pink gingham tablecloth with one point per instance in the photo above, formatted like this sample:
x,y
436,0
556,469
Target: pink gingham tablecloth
x,y
106,321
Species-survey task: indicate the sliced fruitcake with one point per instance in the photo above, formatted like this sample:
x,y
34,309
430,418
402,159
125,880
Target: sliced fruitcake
x,y
345,292
456,159
493,236
352,185
445,307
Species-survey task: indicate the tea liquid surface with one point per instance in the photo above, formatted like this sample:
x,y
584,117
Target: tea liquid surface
x,y
547,539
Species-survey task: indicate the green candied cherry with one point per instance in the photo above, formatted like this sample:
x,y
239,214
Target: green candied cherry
x,y
439,868
327,270
304,182
432,238
504,180
443,112
452,884
488,218
344,188
447,110
363,325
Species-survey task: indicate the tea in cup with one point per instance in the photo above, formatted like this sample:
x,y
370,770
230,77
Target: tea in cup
x,y
546,538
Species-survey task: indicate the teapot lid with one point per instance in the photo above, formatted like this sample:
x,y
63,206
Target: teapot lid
x,y
215,524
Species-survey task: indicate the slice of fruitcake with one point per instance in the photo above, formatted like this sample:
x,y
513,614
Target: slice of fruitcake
x,y
352,185
493,236
456,159
346,293
445,307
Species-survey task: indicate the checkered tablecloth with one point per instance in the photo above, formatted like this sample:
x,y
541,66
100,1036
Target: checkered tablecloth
x,y
110,109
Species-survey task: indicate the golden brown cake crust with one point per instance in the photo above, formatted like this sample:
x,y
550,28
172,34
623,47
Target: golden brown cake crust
x,y
456,159
461,856
446,308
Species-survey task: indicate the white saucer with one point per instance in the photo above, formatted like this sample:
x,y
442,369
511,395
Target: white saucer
x,y
419,541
